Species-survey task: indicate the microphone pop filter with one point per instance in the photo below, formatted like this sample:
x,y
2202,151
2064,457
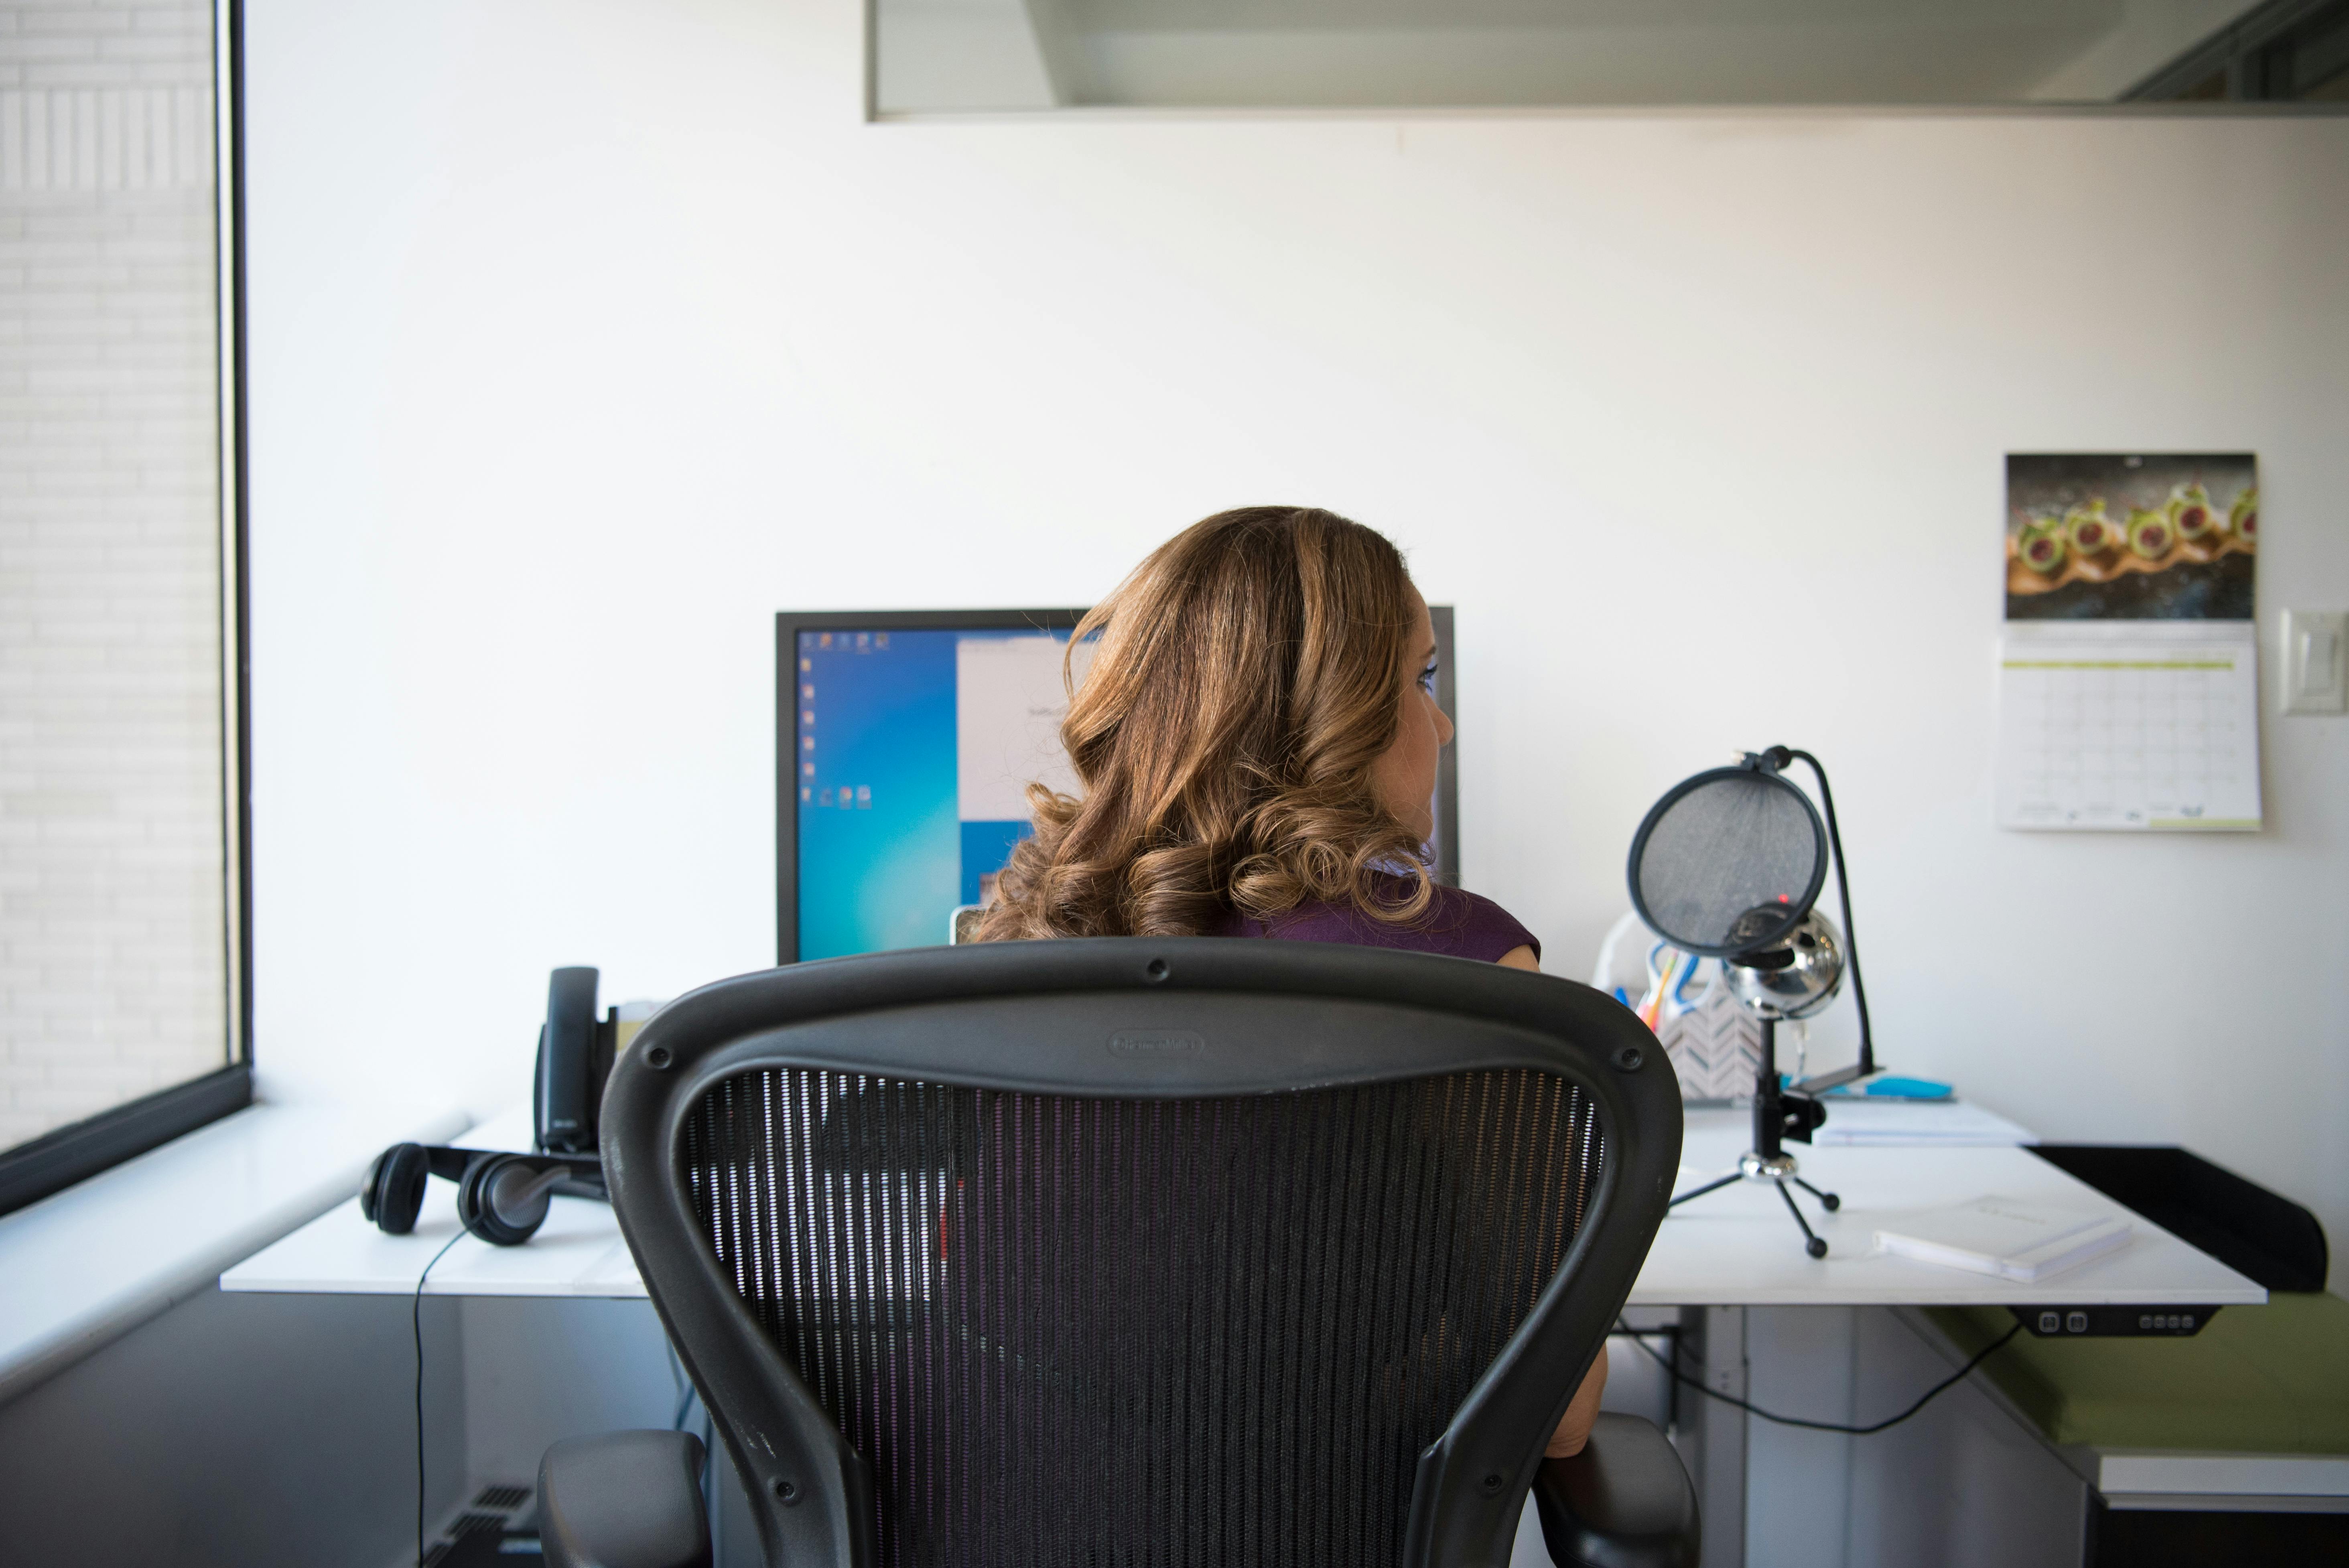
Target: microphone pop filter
x,y
1723,856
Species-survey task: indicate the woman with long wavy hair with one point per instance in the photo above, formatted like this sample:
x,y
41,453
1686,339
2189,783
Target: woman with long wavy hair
x,y
1256,744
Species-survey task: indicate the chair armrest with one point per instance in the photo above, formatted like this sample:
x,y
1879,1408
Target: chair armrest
x,y
622,1500
1624,1502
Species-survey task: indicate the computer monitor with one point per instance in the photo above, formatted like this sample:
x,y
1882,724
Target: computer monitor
x,y
904,743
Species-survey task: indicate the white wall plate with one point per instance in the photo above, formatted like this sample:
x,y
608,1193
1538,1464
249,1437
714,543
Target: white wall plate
x,y
2315,649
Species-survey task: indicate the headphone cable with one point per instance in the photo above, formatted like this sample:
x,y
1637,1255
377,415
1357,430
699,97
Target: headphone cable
x,y
415,1324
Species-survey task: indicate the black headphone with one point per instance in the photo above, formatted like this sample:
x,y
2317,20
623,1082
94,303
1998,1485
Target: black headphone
x,y
501,1197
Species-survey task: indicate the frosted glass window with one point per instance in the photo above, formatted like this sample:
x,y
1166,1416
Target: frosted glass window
x,y
114,863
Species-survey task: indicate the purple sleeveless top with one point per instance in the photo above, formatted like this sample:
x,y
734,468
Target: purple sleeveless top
x,y
1458,925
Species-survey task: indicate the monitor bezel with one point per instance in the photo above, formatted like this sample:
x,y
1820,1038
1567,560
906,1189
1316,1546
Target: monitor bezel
x,y
790,624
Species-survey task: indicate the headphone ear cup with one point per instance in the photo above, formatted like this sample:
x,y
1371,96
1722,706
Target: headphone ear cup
x,y
367,1184
484,1184
394,1193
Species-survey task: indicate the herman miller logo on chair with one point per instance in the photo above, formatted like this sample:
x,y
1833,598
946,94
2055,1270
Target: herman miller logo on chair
x,y
1157,1043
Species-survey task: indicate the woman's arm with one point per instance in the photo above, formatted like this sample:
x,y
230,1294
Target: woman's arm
x,y
1580,1412
1575,1430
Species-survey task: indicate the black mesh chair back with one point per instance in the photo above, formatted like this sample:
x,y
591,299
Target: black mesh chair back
x,y
1133,1252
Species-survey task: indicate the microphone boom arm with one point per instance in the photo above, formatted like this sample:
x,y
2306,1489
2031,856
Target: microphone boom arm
x,y
1776,759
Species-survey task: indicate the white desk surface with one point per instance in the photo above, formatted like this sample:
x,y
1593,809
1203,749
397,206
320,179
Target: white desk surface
x,y
1736,1247
578,1250
1739,1247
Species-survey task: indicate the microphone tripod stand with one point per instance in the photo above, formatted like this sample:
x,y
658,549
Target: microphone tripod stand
x,y
1745,835
1777,1117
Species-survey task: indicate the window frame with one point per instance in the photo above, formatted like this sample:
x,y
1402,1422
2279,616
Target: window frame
x,y
57,1159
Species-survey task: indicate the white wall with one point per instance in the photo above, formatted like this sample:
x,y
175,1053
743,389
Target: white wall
x,y
255,1430
586,336
242,1431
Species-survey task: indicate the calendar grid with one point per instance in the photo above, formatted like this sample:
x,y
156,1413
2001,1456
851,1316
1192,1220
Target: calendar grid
x,y
2157,732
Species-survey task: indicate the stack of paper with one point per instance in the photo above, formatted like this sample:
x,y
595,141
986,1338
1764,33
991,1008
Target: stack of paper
x,y
2007,1237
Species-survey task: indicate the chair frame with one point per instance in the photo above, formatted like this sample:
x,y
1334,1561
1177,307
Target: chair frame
x,y
1138,1018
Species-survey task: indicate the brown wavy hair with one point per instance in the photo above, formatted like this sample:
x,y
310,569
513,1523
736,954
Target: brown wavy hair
x,y
1247,677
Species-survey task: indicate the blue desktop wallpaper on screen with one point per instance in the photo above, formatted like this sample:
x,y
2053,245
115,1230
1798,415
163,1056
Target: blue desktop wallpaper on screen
x,y
883,857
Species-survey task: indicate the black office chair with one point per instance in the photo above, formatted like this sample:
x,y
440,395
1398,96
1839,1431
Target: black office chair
x,y
1127,1251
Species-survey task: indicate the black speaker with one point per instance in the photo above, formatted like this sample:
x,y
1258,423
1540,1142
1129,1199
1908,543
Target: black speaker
x,y
573,1060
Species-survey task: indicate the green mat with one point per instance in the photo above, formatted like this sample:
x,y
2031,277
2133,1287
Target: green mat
x,y
2258,1380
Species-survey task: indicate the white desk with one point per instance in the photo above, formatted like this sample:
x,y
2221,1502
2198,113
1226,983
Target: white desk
x,y
1736,1247
577,1253
1727,1251
1739,1247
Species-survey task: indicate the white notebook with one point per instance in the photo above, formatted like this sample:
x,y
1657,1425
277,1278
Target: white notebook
x,y
2003,1236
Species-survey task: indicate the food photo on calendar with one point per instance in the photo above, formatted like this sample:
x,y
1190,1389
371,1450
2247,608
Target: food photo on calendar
x,y
2131,537
2129,678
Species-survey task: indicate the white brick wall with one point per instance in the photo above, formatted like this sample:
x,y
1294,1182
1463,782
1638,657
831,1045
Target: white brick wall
x,y
112,916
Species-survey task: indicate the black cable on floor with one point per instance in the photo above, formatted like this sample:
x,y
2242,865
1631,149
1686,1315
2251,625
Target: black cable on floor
x,y
416,1323
1923,1400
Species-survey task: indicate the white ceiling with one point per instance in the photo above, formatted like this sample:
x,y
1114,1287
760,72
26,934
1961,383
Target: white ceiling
x,y
1034,54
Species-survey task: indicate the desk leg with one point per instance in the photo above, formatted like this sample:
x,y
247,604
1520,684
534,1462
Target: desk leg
x,y
1714,1434
1800,1362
